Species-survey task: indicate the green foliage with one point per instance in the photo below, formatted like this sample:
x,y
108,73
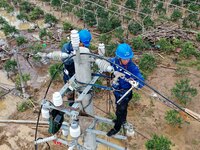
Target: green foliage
x,y
146,11
10,65
90,18
25,78
3,21
139,44
67,26
183,91
56,3
110,50
194,7
136,97
25,7
187,50
43,33
35,14
147,63
102,13
148,22
50,19
21,40
176,15
135,28
198,37
34,49
177,43
173,118
54,69
23,106
158,143
22,16
131,4
159,8
176,2
105,38
7,29
119,33
76,2
104,25
165,45
181,71
146,3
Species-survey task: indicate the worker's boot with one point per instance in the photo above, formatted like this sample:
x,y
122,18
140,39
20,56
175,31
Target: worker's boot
x,y
112,132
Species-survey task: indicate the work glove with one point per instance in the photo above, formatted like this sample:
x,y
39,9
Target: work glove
x,y
134,83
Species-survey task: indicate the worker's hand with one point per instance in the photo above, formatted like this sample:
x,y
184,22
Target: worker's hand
x,y
134,83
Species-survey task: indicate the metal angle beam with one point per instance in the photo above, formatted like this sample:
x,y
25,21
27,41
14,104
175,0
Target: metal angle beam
x,y
121,137
104,142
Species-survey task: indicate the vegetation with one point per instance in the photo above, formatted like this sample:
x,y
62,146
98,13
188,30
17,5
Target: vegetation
x,y
136,97
147,63
198,37
25,78
165,45
130,4
50,19
158,143
188,50
173,118
10,65
183,91
176,15
55,72
21,40
67,26
23,106
139,44
135,28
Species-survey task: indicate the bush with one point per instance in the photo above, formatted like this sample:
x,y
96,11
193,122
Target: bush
x,y
21,40
173,118
134,28
50,19
198,37
54,68
148,22
23,106
43,33
25,78
67,26
139,44
10,65
183,91
130,4
147,63
180,71
160,9
135,97
187,50
165,45
176,15
158,143
176,2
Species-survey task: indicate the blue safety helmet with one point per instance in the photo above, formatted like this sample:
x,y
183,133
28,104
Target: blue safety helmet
x,y
124,51
85,37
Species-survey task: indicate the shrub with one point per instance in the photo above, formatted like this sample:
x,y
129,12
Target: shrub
x,y
50,19
130,4
147,63
148,22
135,28
43,33
198,37
158,143
180,71
25,78
21,40
67,26
176,2
176,15
139,44
183,91
136,97
10,65
187,50
173,118
165,45
23,106
54,68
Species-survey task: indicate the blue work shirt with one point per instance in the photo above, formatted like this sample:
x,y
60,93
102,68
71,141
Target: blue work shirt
x,y
132,68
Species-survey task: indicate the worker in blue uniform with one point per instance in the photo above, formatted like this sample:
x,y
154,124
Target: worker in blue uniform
x,y
124,55
69,69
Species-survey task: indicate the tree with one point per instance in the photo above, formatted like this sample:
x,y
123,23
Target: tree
x,y
90,18
198,37
147,63
56,3
176,2
146,3
187,50
158,143
104,25
176,15
50,19
159,8
135,28
139,44
131,4
54,69
165,45
10,65
173,118
146,11
148,22
67,26
183,91
21,40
